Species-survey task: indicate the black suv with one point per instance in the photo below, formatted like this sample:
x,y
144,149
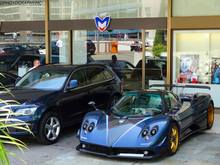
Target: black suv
x,y
55,96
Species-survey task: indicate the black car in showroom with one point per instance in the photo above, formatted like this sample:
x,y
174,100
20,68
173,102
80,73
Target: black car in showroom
x,y
155,69
55,96
17,49
126,68
11,63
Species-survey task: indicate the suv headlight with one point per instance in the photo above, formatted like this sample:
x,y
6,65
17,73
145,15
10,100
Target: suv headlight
x,y
25,111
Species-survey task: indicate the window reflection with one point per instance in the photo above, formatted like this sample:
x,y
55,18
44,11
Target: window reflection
x,y
197,57
14,10
78,9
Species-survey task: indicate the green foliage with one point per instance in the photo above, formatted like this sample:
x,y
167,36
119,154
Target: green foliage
x,y
158,37
158,49
6,123
159,46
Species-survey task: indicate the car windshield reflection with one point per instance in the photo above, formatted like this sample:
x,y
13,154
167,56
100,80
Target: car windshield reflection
x,y
137,105
43,80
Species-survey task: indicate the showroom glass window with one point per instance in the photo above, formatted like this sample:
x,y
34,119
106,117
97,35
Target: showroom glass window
x,y
191,7
196,60
197,57
60,47
20,10
87,9
19,49
126,44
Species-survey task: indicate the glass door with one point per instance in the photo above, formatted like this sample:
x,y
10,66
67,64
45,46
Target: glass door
x,y
60,47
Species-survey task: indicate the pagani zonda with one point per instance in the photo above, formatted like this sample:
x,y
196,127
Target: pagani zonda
x,y
145,124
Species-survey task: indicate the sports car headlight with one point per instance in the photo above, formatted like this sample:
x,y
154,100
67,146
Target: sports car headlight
x,y
91,127
147,133
144,133
24,111
154,130
85,125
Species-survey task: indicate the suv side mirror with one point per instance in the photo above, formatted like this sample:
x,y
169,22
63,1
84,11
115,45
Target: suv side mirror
x,y
73,84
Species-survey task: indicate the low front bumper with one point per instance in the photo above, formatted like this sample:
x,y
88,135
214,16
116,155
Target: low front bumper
x,y
24,122
111,152
20,132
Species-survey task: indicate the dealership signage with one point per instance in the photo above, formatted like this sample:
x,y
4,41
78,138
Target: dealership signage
x,y
21,2
102,23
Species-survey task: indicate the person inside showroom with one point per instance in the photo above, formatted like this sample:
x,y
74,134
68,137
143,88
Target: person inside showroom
x,y
36,63
116,66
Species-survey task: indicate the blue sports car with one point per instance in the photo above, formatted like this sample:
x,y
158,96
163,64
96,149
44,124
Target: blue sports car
x,y
146,124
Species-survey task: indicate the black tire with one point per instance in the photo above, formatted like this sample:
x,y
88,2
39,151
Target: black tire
x,y
173,139
49,128
210,116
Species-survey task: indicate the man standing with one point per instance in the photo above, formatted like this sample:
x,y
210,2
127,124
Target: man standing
x,y
116,66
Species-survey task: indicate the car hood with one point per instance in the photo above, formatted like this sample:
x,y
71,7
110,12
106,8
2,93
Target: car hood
x,y
113,131
24,95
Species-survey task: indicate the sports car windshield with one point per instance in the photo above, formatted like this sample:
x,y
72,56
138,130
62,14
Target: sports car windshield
x,y
43,80
138,104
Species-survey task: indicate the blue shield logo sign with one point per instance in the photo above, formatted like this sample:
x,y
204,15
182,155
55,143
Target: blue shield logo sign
x,y
102,23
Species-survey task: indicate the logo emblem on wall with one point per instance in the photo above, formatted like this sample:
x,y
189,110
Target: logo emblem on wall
x,y
102,23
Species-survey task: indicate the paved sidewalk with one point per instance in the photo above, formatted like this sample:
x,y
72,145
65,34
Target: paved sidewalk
x,y
200,149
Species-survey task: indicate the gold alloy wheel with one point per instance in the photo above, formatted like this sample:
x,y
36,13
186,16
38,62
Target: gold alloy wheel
x,y
174,139
210,118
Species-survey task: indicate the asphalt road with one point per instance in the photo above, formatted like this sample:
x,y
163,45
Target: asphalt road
x,y
200,149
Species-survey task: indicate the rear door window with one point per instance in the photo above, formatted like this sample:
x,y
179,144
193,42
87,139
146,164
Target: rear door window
x,y
97,74
108,74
